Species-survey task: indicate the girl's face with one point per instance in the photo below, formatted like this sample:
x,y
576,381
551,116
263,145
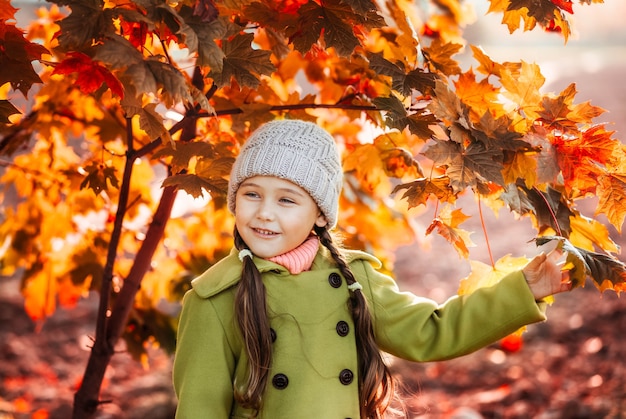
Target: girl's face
x,y
274,216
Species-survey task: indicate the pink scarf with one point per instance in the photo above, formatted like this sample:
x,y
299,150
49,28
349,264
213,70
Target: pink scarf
x,y
299,259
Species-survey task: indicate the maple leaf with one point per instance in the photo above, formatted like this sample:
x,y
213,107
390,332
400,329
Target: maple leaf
x,y
332,19
446,104
606,271
16,55
612,197
466,166
201,38
418,191
398,117
98,178
242,63
402,81
6,110
87,22
39,294
118,53
541,10
91,74
483,275
554,114
587,233
87,265
489,67
7,12
439,56
523,88
582,158
214,168
195,185
365,161
521,166
565,5
152,123
548,169
447,223
550,208
183,153
481,97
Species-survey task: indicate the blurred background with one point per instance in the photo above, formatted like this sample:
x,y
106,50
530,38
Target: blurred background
x,y
570,367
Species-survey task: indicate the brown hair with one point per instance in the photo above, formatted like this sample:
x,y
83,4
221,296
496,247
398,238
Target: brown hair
x,y
376,385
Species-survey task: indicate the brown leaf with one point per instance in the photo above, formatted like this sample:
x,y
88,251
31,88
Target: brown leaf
x,y
16,55
418,191
439,56
242,63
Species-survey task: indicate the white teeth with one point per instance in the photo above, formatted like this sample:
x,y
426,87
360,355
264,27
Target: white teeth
x,y
264,232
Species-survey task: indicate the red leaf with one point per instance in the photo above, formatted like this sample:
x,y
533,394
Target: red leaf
x,y
91,74
511,343
565,5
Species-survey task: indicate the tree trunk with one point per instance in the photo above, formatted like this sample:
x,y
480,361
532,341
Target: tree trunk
x,y
86,399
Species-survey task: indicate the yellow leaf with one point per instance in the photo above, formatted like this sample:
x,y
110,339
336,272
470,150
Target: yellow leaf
x,y
523,166
523,89
483,275
587,232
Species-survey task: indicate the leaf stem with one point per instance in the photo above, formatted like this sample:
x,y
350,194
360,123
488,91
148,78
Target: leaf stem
x,y
557,227
484,227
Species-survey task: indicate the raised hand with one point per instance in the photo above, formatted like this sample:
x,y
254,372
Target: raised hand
x,y
545,275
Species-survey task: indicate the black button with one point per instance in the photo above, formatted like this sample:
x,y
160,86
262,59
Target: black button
x,y
273,335
280,381
342,328
334,280
345,377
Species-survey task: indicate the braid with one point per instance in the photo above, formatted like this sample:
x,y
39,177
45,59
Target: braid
x,y
376,385
251,313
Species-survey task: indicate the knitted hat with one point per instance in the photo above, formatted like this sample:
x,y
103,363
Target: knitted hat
x,y
298,151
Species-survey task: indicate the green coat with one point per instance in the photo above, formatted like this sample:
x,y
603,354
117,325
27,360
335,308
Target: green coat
x,y
314,366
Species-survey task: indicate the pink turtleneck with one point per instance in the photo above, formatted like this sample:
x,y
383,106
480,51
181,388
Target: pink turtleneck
x,y
299,259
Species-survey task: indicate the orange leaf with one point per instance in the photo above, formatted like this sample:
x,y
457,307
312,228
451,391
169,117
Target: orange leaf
x,y
512,343
447,226
581,159
612,194
40,296
481,97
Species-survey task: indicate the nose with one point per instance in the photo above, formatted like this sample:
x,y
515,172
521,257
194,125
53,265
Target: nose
x,y
265,212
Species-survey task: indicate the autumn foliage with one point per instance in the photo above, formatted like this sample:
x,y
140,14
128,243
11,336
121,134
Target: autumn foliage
x,y
119,121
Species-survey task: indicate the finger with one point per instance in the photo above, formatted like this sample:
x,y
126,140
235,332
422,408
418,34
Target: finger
x,y
555,254
538,260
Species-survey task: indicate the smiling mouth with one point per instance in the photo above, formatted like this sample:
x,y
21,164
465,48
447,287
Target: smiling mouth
x,y
263,232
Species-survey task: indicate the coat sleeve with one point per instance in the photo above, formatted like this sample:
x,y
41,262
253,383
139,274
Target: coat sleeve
x,y
419,329
204,362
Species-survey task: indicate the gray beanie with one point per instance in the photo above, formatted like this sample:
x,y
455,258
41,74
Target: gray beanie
x,y
298,151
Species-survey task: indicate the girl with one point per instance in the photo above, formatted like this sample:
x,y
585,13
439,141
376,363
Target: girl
x,y
286,328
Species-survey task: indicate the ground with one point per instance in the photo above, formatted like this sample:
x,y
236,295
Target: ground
x,y
571,366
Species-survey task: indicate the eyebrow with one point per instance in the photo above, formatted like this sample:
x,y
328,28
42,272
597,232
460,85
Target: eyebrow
x,y
284,190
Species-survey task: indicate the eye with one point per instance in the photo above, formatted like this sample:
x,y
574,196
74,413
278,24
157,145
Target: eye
x,y
251,194
287,201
